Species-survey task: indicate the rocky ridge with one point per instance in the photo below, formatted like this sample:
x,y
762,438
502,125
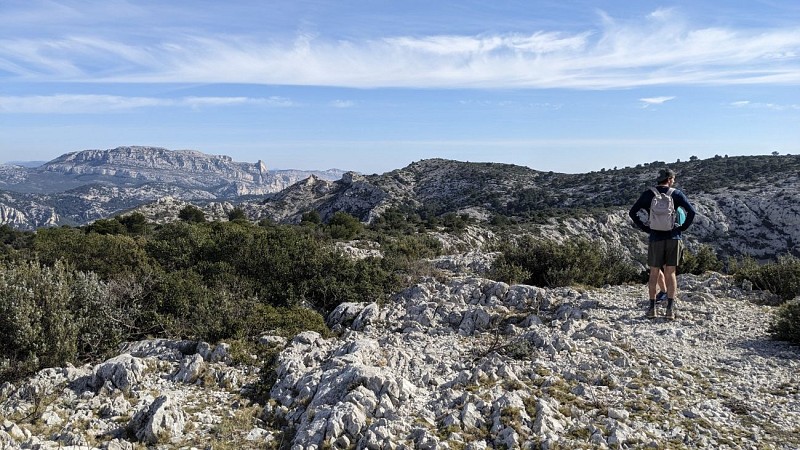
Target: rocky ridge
x,y
758,216
456,363
746,205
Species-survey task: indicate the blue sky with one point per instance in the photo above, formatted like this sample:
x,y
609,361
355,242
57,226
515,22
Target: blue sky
x,y
372,85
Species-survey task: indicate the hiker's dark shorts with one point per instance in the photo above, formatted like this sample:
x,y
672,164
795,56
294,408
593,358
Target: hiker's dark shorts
x,y
667,252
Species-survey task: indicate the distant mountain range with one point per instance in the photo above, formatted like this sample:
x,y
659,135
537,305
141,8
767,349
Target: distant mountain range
x,y
746,204
79,187
30,164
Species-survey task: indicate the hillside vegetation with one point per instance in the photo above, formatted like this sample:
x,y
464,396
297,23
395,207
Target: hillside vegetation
x,y
73,294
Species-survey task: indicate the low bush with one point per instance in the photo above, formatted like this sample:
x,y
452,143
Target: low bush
x,y
702,260
410,247
782,277
548,263
397,221
107,255
51,316
344,226
191,213
786,323
37,329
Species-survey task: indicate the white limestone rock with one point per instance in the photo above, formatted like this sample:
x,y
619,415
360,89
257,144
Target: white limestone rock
x,y
123,372
160,422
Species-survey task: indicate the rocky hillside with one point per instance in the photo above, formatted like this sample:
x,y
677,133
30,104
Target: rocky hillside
x,y
746,205
438,186
79,187
459,363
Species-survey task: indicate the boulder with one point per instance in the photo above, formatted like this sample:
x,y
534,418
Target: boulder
x,y
160,422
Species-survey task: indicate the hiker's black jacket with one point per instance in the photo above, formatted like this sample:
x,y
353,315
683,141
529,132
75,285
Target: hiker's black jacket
x,y
678,199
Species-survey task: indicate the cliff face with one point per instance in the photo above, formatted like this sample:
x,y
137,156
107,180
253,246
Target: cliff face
x,y
158,164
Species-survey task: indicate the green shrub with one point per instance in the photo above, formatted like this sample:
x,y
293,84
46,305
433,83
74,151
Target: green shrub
x,y
786,323
104,315
191,213
187,308
311,218
288,322
177,299
575,262
280,265
396,221
782,278
237,214
178,245
15,239
106,226
37,329
410,247
701,261
509,272
454,222
344,226
135,223
103,254
198,280
51,316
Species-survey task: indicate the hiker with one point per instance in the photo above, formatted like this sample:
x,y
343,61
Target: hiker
x,y
661,297
665,244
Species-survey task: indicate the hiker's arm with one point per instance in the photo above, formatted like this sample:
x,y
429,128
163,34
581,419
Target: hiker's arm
x,y
640,204
681,200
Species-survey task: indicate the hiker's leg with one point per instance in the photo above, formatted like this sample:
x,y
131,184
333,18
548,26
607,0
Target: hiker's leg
x,y
671,280
652,284
673,253
662,284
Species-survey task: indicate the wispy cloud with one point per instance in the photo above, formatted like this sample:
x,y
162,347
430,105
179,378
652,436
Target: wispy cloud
x,y
660,49
511,104
760,105
650,101
78,104
343,103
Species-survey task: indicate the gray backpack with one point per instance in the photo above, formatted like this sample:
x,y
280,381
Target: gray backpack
x,y
662,210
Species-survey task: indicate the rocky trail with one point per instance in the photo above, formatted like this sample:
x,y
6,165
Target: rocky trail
x,y
462,363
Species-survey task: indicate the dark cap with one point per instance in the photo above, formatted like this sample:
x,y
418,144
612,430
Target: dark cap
x,y
664,174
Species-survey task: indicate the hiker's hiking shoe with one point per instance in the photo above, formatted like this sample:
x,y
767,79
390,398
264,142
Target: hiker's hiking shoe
x,y
670,315
651,311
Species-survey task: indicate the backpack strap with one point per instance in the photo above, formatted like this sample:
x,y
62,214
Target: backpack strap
x,y
657,192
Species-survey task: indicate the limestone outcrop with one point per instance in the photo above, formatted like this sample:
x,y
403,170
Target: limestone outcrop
x,y
465,362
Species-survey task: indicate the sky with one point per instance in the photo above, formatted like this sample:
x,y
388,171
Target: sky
x,y
373,85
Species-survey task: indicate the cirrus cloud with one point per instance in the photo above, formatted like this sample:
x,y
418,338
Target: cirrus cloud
x,y
81,103
659,49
